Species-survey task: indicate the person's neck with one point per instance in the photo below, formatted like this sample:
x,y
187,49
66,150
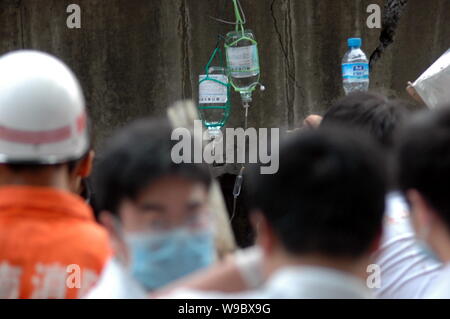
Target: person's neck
x,y
353,267
441,244
47,177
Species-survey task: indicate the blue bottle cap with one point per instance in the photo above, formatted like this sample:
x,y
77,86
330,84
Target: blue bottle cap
x,y
354,42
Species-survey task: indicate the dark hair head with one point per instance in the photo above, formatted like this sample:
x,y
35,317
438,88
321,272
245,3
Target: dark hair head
x,y
136,156
368,112
327,197
423,158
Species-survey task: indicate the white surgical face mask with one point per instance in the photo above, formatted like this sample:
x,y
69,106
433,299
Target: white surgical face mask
x,y
157,259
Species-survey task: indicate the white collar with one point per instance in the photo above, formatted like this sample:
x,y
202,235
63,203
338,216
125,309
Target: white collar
x,y
116,283
316,282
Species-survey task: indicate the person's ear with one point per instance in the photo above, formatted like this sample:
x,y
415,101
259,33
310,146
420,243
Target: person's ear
x,y
107,219
265,236
110,222
376,243
85,167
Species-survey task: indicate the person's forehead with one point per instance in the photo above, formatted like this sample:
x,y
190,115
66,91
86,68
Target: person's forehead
x,y
173,185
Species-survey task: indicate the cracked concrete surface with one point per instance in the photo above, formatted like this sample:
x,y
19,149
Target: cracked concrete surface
x,y
136,57
286,45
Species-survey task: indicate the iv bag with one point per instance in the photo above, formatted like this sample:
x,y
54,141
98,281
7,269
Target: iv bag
x,y
214,99
242,60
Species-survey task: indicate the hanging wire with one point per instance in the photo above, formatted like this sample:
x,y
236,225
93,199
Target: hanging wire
x,y
241,15
240,177
241,19
237,190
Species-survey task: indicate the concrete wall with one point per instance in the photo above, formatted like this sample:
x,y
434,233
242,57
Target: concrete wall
x,y
134,57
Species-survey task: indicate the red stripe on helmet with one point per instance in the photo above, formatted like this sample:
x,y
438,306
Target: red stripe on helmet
x,y
35,137
81,123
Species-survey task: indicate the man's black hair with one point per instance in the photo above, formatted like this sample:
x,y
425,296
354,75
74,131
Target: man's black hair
x,y
135,157
327,197
368,112
423,158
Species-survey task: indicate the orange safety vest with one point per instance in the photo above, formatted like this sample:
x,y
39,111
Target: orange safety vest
x,y
50,244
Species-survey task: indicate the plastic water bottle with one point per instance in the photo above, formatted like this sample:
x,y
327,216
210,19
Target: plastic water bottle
x,y
355,68
242,61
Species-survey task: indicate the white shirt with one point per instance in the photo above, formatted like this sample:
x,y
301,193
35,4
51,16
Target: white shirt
x,y
406,272
293,283
441,286
116,283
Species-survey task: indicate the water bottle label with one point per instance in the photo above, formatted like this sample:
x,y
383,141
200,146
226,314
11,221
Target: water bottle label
x,y
354,72
243,59
211,91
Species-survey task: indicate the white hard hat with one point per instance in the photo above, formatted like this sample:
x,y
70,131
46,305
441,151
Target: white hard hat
x,y
42,110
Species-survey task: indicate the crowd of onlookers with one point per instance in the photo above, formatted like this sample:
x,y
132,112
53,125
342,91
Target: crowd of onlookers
x,y
359,207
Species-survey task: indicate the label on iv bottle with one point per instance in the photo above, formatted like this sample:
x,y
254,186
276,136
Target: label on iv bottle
x,y
243,59
211,91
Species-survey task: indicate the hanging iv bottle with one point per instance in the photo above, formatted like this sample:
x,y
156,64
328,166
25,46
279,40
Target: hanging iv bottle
x,y
242,62
214,100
